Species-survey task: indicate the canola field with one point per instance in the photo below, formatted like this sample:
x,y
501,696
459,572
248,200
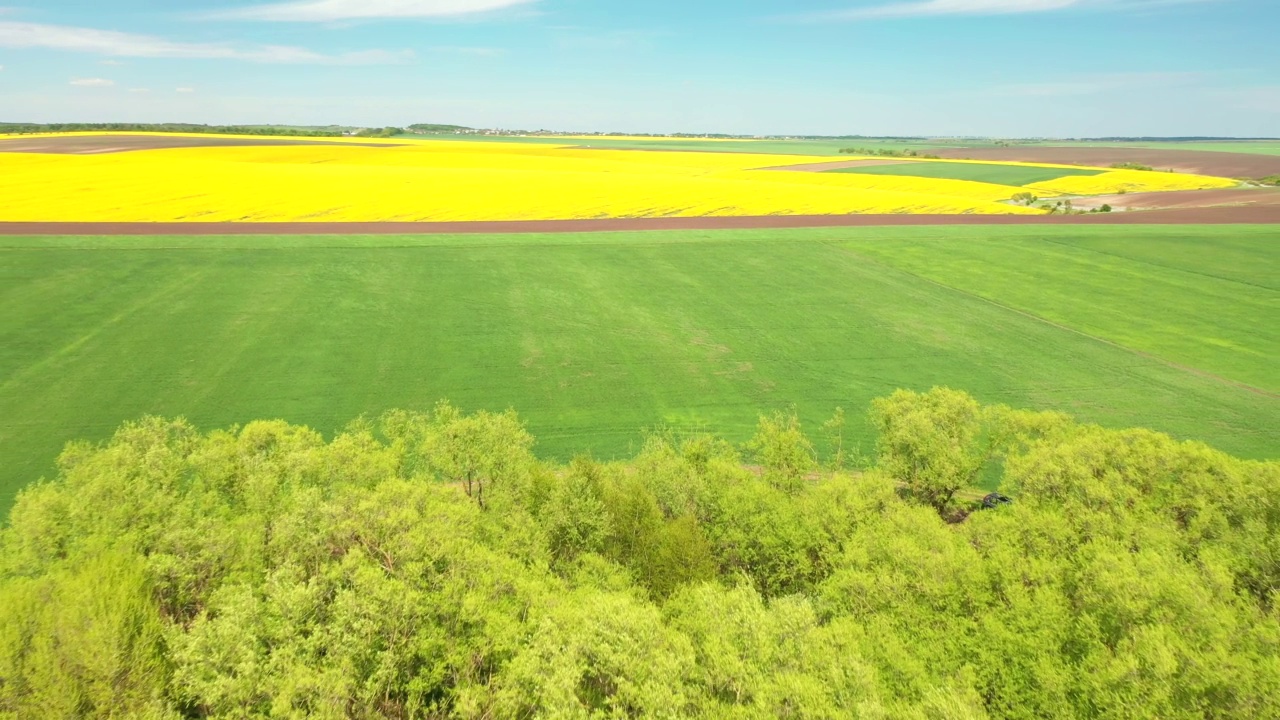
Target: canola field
x,y
446,180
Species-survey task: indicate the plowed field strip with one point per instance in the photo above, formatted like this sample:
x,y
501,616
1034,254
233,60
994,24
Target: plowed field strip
x,y
1243,215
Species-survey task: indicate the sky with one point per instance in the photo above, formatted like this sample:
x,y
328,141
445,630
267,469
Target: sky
x,y
1001,68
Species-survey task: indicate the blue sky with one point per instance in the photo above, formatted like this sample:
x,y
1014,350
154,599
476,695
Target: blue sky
x,y
1057,68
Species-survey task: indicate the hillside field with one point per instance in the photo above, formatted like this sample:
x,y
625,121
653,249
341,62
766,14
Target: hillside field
x,y
594,337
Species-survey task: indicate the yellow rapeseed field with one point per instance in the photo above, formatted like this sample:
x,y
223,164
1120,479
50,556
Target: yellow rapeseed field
x,y
451,180
1115,181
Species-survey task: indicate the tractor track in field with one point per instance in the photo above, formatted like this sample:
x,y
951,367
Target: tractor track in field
x,y
1221,215
1067,328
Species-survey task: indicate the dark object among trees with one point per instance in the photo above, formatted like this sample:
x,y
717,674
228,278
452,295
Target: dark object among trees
x,y
994,500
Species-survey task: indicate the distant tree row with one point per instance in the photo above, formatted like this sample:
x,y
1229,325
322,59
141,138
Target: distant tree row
x,y
1131,166
385,132
429,565
435,128
29,128
887,152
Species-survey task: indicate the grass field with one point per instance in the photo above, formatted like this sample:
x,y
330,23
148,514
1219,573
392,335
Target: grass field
x,y
771,146
593,337
998,174
1212,306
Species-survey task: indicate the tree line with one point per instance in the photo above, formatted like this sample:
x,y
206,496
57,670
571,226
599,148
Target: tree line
x,y
32,128
888,152
431,565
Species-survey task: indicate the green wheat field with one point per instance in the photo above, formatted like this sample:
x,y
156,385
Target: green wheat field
x,y
595,338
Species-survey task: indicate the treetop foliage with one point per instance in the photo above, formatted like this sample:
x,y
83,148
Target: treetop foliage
x,y
430,565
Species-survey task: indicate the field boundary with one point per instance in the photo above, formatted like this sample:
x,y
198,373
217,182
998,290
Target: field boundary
x,y
1232,215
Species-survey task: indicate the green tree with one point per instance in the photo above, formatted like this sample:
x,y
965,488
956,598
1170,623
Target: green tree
x,y
598,655
930,442
83,640
575,516
834,431
784,453
477,451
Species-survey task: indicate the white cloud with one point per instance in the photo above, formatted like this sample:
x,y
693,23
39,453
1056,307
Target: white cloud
x,y
92,82
331,10
18,35
184,90
110,63
927,8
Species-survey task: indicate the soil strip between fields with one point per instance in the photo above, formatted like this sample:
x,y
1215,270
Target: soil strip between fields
x,y
1234,215
837,165
1200,162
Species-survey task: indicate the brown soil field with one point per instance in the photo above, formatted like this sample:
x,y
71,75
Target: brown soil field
x,y
1183,199
823,167
99,144
1249,214
1199,162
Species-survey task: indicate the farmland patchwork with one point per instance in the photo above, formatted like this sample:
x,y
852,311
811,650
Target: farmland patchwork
x,y
461,181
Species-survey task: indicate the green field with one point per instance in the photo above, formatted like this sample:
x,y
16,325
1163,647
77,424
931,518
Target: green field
x,y
594,337
998,174
765,146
